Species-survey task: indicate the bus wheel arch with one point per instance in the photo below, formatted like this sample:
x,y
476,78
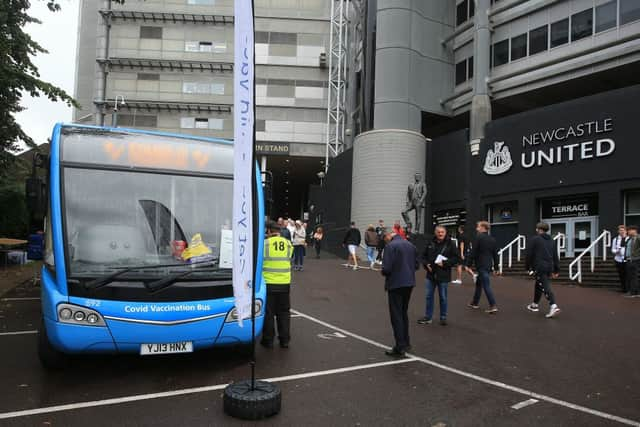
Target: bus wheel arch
x,y
50,357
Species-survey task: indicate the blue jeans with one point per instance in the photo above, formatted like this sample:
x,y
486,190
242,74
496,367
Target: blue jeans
x,y
483,282
371,253
298,256
442,293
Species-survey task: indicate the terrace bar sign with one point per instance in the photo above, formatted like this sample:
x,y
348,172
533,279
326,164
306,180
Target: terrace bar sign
x,y
570,207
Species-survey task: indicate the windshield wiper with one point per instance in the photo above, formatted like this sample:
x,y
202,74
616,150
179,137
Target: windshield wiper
x,y
103,281
165,282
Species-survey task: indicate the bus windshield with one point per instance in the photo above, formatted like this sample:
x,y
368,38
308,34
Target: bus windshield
x,y
116,219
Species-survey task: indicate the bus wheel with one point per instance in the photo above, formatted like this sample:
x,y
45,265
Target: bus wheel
x,y
50,357
240,401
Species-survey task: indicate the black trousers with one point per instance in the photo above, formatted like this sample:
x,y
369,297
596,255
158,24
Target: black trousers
x,y
398,307
543,286
278,305
622,274
632,276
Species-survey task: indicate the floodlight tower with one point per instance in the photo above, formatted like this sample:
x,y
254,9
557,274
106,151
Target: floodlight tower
x,y
338,45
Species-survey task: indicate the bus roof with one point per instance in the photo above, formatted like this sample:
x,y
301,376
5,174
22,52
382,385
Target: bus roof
x,y
145,132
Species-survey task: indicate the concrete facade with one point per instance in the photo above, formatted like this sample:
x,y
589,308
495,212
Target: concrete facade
x,y
413,69
172,62
443,66
384,164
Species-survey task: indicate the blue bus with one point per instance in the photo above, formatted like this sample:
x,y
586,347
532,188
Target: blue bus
x,y
138,245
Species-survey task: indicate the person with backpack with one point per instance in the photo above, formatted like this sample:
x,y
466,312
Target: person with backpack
x,y
543,262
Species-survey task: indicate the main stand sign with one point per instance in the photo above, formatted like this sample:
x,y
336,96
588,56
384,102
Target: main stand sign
x,y
243,133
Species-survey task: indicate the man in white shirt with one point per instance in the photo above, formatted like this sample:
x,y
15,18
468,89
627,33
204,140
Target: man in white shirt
x,y
618,247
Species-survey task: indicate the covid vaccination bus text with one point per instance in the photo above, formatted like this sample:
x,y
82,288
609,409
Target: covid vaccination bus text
x,y
139,245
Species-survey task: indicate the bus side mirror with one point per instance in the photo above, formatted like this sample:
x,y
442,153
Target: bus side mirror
x,y
36,194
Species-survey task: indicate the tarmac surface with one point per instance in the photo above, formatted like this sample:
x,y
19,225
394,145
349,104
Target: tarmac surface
x,y
513,368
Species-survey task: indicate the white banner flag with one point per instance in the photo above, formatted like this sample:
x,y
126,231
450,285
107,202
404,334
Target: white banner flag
x,y
243,119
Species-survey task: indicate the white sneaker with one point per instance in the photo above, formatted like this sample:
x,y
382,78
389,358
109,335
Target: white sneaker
x,y
456,282
372,264
552,311
533,307
475,277
355,268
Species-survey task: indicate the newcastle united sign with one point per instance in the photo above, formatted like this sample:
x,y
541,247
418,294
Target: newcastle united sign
x,y
560,145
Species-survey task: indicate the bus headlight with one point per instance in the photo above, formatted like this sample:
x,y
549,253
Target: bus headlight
x,y
76,315
65,314
233,314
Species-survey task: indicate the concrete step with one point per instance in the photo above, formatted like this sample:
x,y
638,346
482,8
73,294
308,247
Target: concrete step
x,y
605,274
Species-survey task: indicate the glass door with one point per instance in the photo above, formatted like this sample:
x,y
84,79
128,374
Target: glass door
x,y
582,235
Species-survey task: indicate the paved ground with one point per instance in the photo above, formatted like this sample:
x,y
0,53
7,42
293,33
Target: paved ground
x,y
581,369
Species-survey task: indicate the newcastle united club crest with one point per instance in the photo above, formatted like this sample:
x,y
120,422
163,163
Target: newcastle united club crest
x,y
498,160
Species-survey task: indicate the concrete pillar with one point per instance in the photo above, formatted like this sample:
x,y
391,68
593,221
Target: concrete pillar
x,y
384,164
481,101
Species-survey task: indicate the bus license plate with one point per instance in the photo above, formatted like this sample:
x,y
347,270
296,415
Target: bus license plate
x,y
166,348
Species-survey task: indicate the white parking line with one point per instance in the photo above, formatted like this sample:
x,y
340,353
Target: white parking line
x,y
478,378
2,334
21,299
524,404
139,397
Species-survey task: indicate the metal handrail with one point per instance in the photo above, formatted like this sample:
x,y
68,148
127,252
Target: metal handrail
x,y
561,243
521,241
605,238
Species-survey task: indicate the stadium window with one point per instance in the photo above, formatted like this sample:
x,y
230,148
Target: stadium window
x,y
560,33
501,53
201,123
148,76
629,11
538,40
461,72
519,47
606,16
150,32
137,120
462,12
262,37
581,25
284,38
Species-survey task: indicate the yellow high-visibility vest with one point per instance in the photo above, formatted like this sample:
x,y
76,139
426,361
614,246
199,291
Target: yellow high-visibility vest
x,y
276,265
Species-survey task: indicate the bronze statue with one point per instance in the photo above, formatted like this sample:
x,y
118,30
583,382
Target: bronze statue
x,y
416,197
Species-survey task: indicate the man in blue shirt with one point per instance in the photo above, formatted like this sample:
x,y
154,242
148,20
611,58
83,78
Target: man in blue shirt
x,y
399,266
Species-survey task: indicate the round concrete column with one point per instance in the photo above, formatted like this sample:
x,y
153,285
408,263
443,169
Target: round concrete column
x,y
384,164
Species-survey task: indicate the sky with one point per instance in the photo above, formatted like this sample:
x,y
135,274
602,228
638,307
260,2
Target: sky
x,y
58,35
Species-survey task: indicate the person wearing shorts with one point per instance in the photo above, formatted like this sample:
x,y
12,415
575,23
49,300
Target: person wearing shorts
x,y
352,240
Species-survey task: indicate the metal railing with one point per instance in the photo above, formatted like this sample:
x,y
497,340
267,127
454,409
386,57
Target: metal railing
x,y
605,238
561,243
521,245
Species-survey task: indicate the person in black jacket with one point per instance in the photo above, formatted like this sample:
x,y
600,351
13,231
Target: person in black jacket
x,y
484,256
543,261
399,267
439,256
352,240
